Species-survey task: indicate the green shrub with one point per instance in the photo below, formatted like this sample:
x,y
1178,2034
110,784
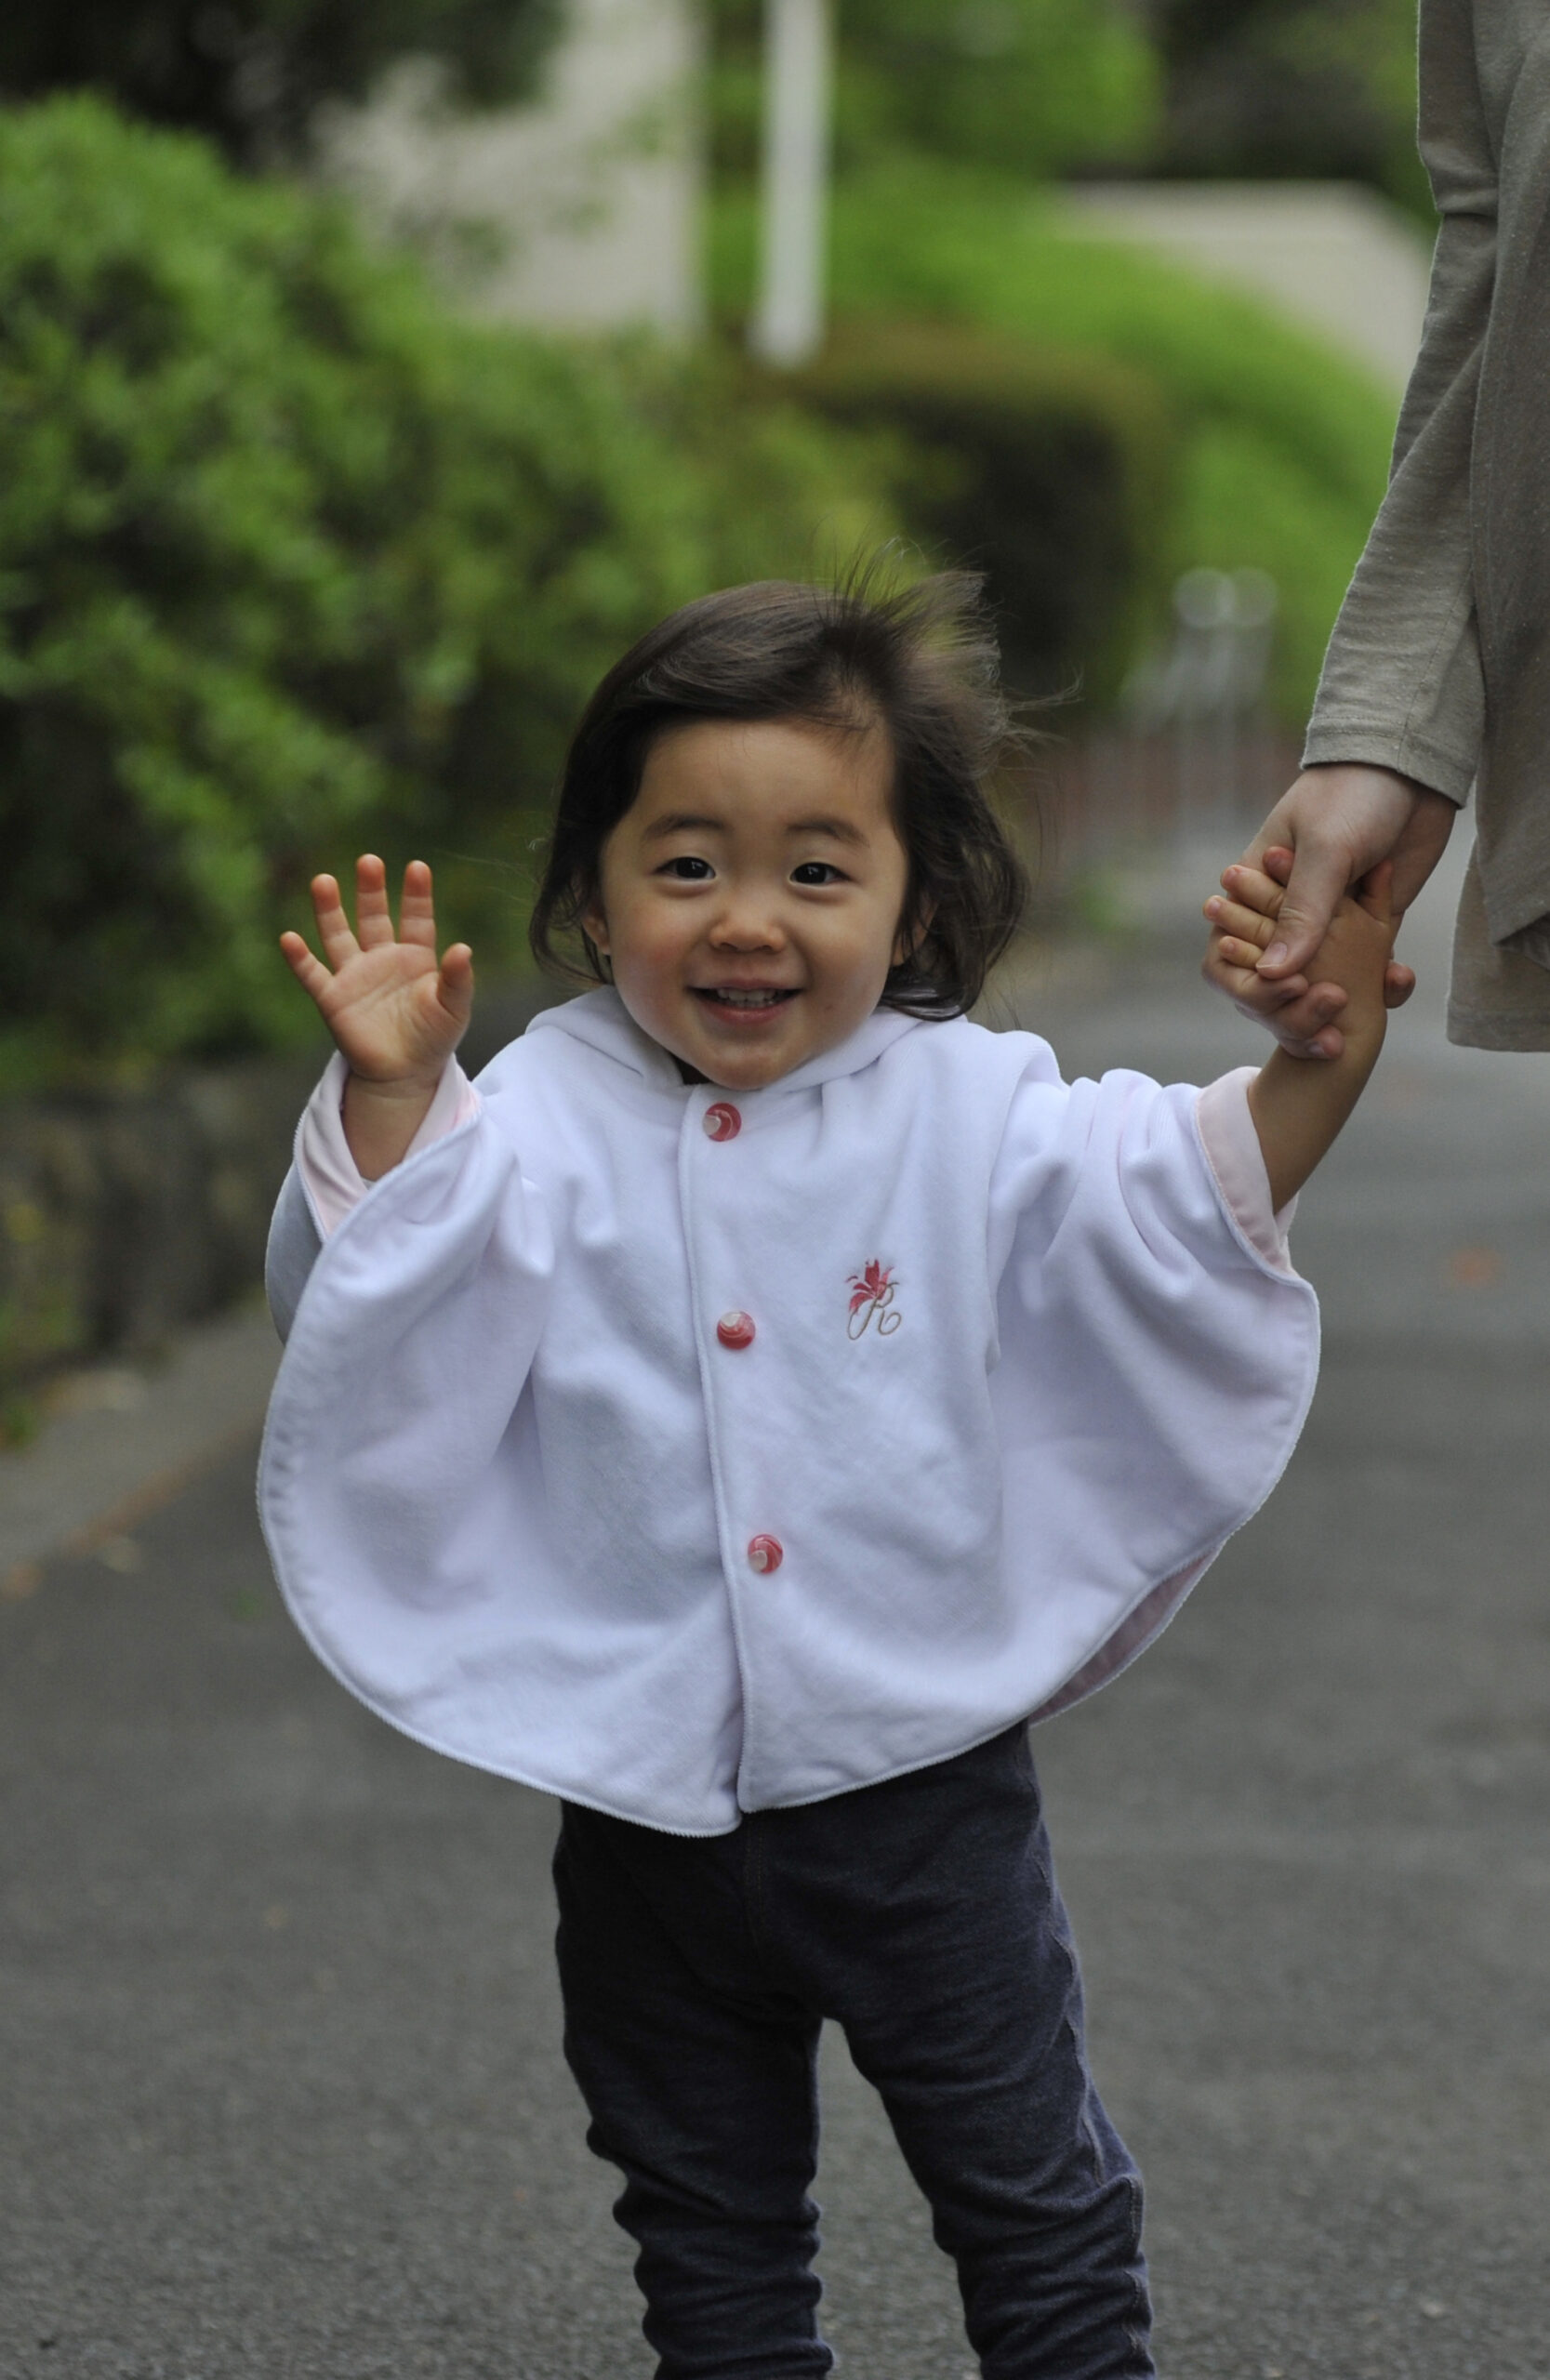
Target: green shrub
x,y
250,74
1028,86
291,559
1050,471
1285,443
1313,89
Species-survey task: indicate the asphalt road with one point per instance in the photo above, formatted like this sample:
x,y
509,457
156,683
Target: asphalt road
x,y
280,2082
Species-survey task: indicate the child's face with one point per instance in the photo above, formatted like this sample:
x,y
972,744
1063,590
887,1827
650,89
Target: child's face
x,y
750,899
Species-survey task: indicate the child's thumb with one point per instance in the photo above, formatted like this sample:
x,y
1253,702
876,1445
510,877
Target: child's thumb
x,y
455,984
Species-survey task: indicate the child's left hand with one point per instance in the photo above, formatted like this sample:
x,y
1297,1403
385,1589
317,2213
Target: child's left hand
x,y
1241,928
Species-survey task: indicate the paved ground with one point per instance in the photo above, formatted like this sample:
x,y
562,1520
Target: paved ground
x,y
280,2087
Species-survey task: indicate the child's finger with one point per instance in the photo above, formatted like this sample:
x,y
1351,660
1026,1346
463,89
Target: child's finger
x,y
1399,984
1219,969
1325,1001
373,918
1231,966
1231,916
1240,954
1251,888
309,972
417,916
455,984
339,942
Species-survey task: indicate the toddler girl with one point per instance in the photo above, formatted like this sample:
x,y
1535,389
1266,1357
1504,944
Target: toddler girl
x,y
760,1396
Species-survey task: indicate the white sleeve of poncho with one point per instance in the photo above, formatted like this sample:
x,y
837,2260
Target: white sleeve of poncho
x,y
324,1183
1158,1351
457,1231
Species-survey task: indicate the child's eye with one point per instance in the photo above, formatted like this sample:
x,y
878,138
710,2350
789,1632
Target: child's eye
x,y
687,869
816,871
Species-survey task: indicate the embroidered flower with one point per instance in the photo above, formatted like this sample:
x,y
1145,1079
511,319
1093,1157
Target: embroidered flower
x,y
870,1285
872,1294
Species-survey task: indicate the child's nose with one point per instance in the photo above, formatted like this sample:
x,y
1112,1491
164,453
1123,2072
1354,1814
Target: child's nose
x,y
748,923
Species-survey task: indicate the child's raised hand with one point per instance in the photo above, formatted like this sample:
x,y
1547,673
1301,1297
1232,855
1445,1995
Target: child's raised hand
x,y
395,1011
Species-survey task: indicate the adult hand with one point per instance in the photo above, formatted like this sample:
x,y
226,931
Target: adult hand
x,y
1338,820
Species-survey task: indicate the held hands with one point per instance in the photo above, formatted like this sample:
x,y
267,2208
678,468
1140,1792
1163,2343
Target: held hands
x,y
1298,1107
396,1013
1354,958
1305,1010
1334,824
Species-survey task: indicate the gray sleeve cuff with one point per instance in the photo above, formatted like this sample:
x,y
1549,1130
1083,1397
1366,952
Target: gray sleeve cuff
x,y
1328,744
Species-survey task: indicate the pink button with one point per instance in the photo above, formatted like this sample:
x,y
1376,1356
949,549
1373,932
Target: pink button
x,y
736,1330
722,1121
765,1554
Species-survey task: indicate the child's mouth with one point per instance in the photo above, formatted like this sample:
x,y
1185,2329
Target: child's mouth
x,y
741,1003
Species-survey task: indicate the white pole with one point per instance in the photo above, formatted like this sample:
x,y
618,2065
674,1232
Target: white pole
x,y
789,325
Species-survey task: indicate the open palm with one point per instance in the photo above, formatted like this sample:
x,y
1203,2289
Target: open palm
x,y
396,1011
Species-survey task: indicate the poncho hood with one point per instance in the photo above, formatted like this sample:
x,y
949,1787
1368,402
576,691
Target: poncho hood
x,y
602,1020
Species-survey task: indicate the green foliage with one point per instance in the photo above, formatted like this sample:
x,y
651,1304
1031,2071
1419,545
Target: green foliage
x,y
1028,86
1050,471
1284,444
1300,88
291,559
249,73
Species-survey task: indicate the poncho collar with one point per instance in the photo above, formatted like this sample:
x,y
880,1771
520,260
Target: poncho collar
x,y
602,1020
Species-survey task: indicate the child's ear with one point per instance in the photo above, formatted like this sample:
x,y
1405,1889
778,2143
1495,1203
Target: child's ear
x,y
594,925
908,941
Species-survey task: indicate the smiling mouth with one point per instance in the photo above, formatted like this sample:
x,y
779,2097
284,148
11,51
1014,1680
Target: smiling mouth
x,y
749,1003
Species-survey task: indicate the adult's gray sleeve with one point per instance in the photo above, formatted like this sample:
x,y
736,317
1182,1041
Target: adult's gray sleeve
x,y
1402,686
294,1247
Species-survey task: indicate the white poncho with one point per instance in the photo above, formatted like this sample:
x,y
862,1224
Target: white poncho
x,y
686,1452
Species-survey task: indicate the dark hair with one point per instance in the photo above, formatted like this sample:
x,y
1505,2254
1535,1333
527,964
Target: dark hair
x,y
921,660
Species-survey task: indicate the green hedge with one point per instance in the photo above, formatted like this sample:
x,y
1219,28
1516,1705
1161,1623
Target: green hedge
x,y
1283,442
1054,472
1032,86
291,559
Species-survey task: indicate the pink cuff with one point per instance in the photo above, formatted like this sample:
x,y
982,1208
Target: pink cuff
x,y
330,1176
1232,1153
1132,1636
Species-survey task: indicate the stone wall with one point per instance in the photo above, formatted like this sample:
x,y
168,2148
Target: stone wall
x,y
126,1213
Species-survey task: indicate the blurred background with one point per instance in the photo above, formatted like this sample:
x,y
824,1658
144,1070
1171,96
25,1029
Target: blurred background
x,y
371,374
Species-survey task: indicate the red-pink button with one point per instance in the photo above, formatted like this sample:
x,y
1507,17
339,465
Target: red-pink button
x,y
722,1121
736,1330
765,1554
